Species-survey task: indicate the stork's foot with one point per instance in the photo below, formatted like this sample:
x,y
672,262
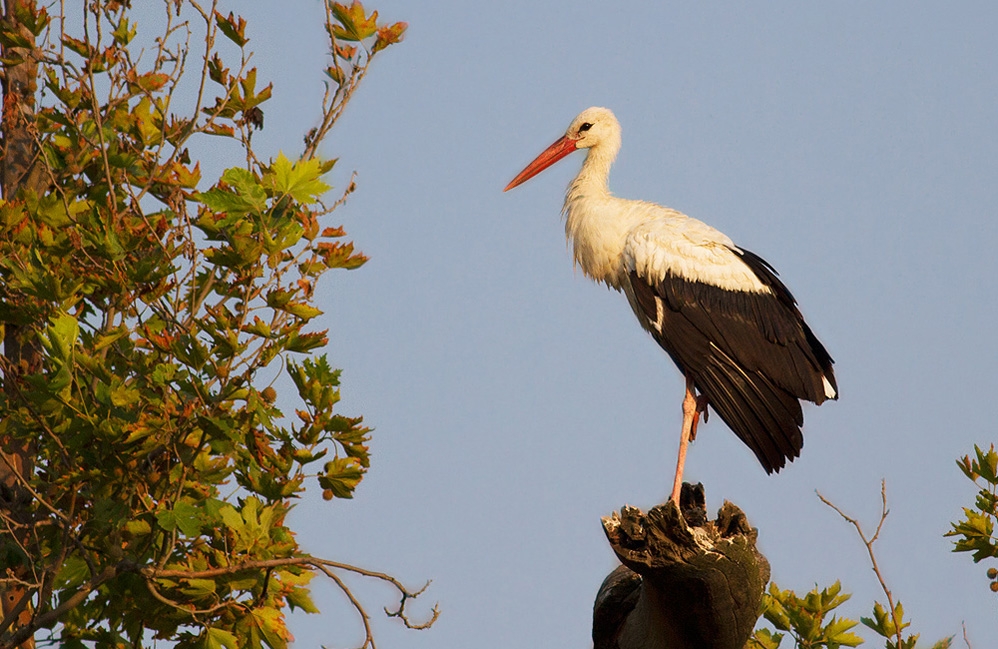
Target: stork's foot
x,y
693,408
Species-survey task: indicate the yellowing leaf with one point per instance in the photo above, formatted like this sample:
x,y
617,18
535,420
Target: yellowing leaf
x,y
300,179
271,624
303,311
354,24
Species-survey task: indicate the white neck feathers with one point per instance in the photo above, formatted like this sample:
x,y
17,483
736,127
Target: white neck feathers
x,y
595,222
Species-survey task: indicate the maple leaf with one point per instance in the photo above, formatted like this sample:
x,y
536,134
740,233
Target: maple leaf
x,y
354,25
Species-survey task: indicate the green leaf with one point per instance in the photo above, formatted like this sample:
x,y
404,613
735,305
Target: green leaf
x,y
303,343
138,527
61,336
238,194
977,530
188,518
300,180
804,618
764,639
124,32
108,338
198,587
987,464
342,475
125,395
73,572
216,638
837,633
59,340
184,517
231,518
233,27
300,598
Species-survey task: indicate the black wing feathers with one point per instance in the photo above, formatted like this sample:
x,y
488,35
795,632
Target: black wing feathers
x,y
768,276
751,354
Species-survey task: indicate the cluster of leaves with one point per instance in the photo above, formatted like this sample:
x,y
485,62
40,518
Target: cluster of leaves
x,y
804,618
154,316
975,532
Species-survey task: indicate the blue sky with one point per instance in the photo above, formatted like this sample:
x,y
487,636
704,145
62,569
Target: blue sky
x,y
851,144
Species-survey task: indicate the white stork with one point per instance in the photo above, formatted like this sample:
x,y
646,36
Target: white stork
x,y
718,310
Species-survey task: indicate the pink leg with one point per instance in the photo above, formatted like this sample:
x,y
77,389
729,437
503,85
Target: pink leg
x,y
692,407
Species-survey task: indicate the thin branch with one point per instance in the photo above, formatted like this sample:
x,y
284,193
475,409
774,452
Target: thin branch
x,y
351,188
365,618
400,613
98,115
325,566
51,617
884,511
181,607
24,484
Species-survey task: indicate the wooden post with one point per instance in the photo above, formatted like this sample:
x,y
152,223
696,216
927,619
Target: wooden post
x,y
685,582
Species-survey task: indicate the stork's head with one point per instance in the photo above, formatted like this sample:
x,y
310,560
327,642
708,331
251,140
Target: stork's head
x,y
595,129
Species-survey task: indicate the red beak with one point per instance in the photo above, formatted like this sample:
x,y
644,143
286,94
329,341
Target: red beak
x,y
551,155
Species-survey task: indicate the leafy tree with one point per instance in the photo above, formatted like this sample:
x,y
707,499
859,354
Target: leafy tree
x,y
975,532
146,470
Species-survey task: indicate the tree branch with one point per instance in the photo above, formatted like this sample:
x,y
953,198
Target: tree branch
x,y
884,511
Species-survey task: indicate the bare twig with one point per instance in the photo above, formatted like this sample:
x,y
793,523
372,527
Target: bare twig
x,y
400,613
95,106
365,618
868,542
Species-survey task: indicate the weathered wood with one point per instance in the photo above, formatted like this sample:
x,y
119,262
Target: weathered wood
x,y
685,582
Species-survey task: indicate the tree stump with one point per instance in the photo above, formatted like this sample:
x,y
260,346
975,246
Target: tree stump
x,y
685,582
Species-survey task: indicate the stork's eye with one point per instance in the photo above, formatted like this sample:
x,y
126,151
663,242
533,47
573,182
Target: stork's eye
x,y
585,127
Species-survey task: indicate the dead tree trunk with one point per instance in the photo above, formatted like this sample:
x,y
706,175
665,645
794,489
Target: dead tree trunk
x,y
685,582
